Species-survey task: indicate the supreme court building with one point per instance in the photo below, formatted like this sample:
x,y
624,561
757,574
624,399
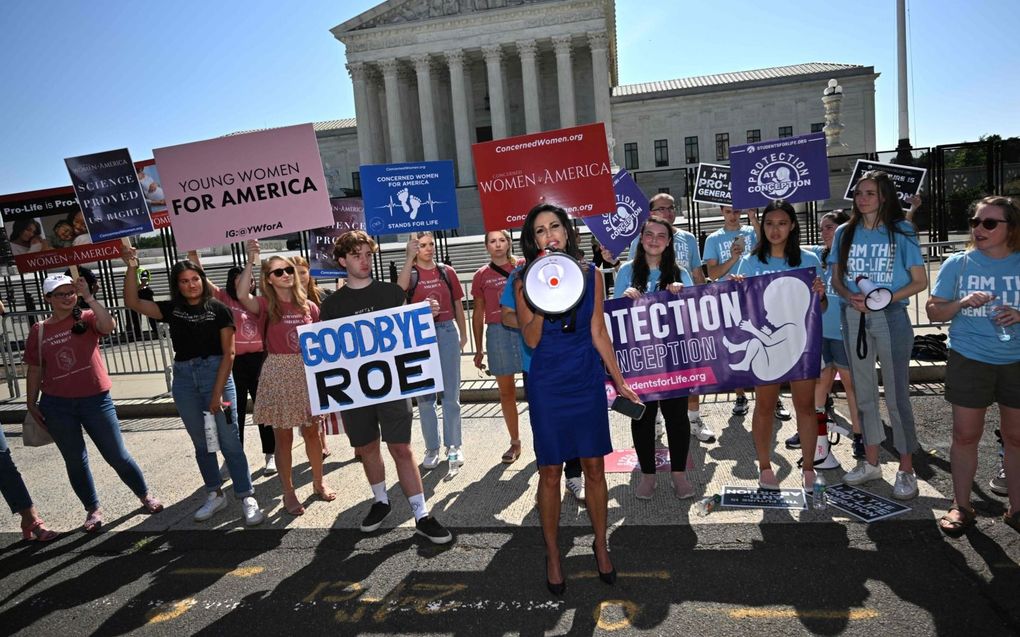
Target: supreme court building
x,y
432,77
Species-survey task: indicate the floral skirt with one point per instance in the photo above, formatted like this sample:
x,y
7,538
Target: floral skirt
x,y
283,396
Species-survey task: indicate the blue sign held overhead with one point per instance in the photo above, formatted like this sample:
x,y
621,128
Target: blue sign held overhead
x,y
793,168
409,197
615,230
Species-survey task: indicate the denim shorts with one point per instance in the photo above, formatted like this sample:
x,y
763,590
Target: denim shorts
x,y
834,353
503,349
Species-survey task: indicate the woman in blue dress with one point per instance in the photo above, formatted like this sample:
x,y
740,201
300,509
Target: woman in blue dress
x,y
566,392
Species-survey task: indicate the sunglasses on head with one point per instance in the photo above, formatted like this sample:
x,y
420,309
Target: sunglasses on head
x,y
281,271
987,224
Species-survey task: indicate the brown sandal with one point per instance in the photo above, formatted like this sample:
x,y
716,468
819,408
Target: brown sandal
x,y
513,453
955,527
1013,520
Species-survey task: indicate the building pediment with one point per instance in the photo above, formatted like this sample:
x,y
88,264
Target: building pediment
x,y
396,12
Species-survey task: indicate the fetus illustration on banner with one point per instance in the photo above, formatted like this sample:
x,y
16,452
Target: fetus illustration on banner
x,y
772,351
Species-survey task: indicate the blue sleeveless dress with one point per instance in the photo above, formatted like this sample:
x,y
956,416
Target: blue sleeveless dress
x,y
566,390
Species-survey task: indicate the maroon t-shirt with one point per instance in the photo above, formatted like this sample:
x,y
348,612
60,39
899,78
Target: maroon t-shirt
x,y
71,365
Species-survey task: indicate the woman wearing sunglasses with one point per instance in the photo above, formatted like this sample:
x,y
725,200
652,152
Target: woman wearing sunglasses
x,y
76,392
976,290
202,333
283,395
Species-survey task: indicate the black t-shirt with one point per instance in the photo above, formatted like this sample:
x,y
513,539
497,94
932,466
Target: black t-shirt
x,y
347,301
195,329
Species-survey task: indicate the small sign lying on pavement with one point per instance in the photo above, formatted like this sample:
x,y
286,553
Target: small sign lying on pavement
x,y
626,460
748,498
864,506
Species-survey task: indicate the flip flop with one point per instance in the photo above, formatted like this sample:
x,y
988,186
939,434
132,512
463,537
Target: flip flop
x,y
955,527
93,522
151,504
767,480
513,453
294,509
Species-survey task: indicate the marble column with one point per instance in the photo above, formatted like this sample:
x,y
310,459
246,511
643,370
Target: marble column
x,y
430,145
393,113
497,106
529,78
598,42
361,109
565,80
465,170
376,107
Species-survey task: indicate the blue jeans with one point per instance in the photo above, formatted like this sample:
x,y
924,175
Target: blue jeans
x,y
66,418
192,391
890,338
11,484
449,360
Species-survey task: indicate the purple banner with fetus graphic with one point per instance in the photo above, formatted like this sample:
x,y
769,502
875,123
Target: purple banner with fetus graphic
x,y
718,337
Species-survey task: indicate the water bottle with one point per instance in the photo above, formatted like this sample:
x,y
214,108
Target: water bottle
x,y
818,497
706,505
1001,331
212,440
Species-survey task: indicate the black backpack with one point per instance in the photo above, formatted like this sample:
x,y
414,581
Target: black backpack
x,y
414,280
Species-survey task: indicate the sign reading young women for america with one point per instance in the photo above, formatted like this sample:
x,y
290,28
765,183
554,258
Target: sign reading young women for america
x,y
242,187
371,358
792,168
568,168
109,194
718,337
410,197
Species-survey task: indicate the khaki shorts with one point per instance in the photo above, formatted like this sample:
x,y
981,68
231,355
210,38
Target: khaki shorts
x,y
364,424
976,385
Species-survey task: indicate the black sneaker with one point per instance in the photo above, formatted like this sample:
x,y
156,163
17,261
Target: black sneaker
x,y
782,412
375,516
998,483
793,442
858,446
740,407
433,530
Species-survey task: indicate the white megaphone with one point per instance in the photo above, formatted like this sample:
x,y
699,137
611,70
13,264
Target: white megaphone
x,y
875,297
554,283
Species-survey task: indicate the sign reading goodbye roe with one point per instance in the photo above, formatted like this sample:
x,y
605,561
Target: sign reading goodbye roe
x,y
247,186
568,168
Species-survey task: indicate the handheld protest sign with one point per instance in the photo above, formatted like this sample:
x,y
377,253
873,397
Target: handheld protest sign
x,y
792,168
554,283
409,197
615,230
908,179
108,192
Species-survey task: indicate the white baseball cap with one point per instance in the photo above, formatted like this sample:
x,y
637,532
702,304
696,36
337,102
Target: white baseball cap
x,y
54,281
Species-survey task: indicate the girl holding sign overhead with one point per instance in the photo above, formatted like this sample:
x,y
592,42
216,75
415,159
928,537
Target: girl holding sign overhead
x,y
976,290
566,391
283,395
880,245
426,280
786,308
654,268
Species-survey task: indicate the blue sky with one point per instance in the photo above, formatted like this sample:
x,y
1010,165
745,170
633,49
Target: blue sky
x,y
82,77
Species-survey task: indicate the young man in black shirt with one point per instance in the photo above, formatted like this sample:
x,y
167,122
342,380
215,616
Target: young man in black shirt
x,y
392,420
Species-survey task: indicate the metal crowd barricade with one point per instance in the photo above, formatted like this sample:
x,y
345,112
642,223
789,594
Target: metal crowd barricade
x,y
128,350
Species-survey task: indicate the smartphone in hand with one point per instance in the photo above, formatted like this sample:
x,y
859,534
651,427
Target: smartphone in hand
x,y
632,410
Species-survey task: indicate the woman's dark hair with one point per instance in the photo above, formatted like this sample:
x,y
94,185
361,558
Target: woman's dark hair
x,y
669,271
838,217
20,225
528,244
175,275
231,286
792,248
890,214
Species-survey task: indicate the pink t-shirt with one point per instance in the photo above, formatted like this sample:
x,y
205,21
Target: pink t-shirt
x,y
71,365
488,284
249,327
281,338
429,284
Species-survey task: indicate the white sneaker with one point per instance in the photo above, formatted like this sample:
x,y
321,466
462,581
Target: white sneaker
x,y
782,413
576,487
863,472
905,487
455,456
701,431
431,459
252,513
823,455
660,425
224,471
213,503
270,464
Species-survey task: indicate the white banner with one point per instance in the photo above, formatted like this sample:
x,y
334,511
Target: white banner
x,y
371,358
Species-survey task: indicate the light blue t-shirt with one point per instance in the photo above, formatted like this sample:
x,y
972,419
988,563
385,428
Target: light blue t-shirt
x,y
871,254
508,299
971,332
717,245
685,245
626,275
750,265
831,323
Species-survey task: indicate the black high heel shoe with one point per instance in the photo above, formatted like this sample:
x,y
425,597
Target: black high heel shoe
x,y
556,589
608,578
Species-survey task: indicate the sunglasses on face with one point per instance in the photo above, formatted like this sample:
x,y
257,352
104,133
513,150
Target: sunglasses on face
x,y
987,224
281,271
64,295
